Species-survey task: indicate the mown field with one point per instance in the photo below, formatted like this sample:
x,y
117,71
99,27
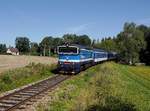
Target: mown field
x,y
105,87
11,62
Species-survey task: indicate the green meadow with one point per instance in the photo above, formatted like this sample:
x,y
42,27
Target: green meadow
x,y
105,87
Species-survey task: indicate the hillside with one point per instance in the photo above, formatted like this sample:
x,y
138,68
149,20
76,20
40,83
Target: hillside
x,y
105,87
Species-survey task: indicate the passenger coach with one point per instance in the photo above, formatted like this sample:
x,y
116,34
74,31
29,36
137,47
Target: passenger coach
x,y
99,55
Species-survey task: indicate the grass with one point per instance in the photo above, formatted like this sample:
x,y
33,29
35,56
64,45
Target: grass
x,y
136,85
22,76
105,87
62,99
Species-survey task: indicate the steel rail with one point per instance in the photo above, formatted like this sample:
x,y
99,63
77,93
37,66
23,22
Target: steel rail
x,y
15,99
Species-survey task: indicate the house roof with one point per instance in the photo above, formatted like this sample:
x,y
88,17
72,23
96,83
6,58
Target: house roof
x,y
13,49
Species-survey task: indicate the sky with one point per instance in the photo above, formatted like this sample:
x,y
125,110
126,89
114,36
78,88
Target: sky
x,y
36,19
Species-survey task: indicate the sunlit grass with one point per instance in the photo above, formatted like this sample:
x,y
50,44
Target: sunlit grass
x,y
136,87
105,87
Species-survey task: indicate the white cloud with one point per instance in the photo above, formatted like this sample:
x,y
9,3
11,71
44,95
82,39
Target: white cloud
x,y
79,28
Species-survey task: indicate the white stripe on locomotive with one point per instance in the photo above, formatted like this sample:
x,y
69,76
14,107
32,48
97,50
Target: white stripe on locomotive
x,y
82,60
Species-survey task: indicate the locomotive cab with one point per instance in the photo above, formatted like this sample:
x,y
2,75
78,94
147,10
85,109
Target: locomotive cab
x,y
68,59
68,50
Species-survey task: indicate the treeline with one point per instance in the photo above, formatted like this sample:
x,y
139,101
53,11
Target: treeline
x,y
132,44
3,48
47,47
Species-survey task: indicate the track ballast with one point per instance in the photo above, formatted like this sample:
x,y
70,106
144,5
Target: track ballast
x,y
16,99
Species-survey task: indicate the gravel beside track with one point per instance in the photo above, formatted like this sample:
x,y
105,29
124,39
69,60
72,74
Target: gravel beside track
x,y
20,97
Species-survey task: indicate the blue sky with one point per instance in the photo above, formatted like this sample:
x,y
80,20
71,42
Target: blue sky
x,y
96,18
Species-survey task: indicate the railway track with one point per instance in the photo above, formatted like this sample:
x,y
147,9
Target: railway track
x,y
14,100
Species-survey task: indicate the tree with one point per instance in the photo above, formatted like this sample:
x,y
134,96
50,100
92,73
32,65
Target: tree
x,y
69,38
22,44
57,41
145,54
74,39
83,40
34,48
3,48
130,42
46,45
93,43
107,44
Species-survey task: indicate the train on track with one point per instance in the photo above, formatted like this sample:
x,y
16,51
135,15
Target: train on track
x,y
75,58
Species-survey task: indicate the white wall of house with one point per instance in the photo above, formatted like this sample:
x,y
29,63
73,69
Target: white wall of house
x,y
8,51
12,53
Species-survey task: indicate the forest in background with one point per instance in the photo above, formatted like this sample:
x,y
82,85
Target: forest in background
x,y
132,44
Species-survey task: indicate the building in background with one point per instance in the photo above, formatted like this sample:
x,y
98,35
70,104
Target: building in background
x,y
12,51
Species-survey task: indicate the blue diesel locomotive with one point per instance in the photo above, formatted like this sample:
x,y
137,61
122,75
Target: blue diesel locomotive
x,y
74,58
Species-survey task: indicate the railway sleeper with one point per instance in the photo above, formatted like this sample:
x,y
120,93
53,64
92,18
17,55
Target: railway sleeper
x,y
2,109
28,94
33,100
29,103
45,84
17,99
42,86
21,107
5,105
35,92
9,102
21,96
36,89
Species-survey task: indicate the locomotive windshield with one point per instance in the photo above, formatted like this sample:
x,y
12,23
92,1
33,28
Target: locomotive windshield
x,y
68,50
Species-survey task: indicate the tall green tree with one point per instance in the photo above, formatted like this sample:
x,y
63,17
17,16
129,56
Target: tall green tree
x,y
145,54
46,45
57,41
75,39
69,38
107,44
130,42
23,44
83,40
93,43
3,48
34,48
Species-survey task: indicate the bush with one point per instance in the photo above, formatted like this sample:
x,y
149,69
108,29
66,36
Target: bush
x,y
6,79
